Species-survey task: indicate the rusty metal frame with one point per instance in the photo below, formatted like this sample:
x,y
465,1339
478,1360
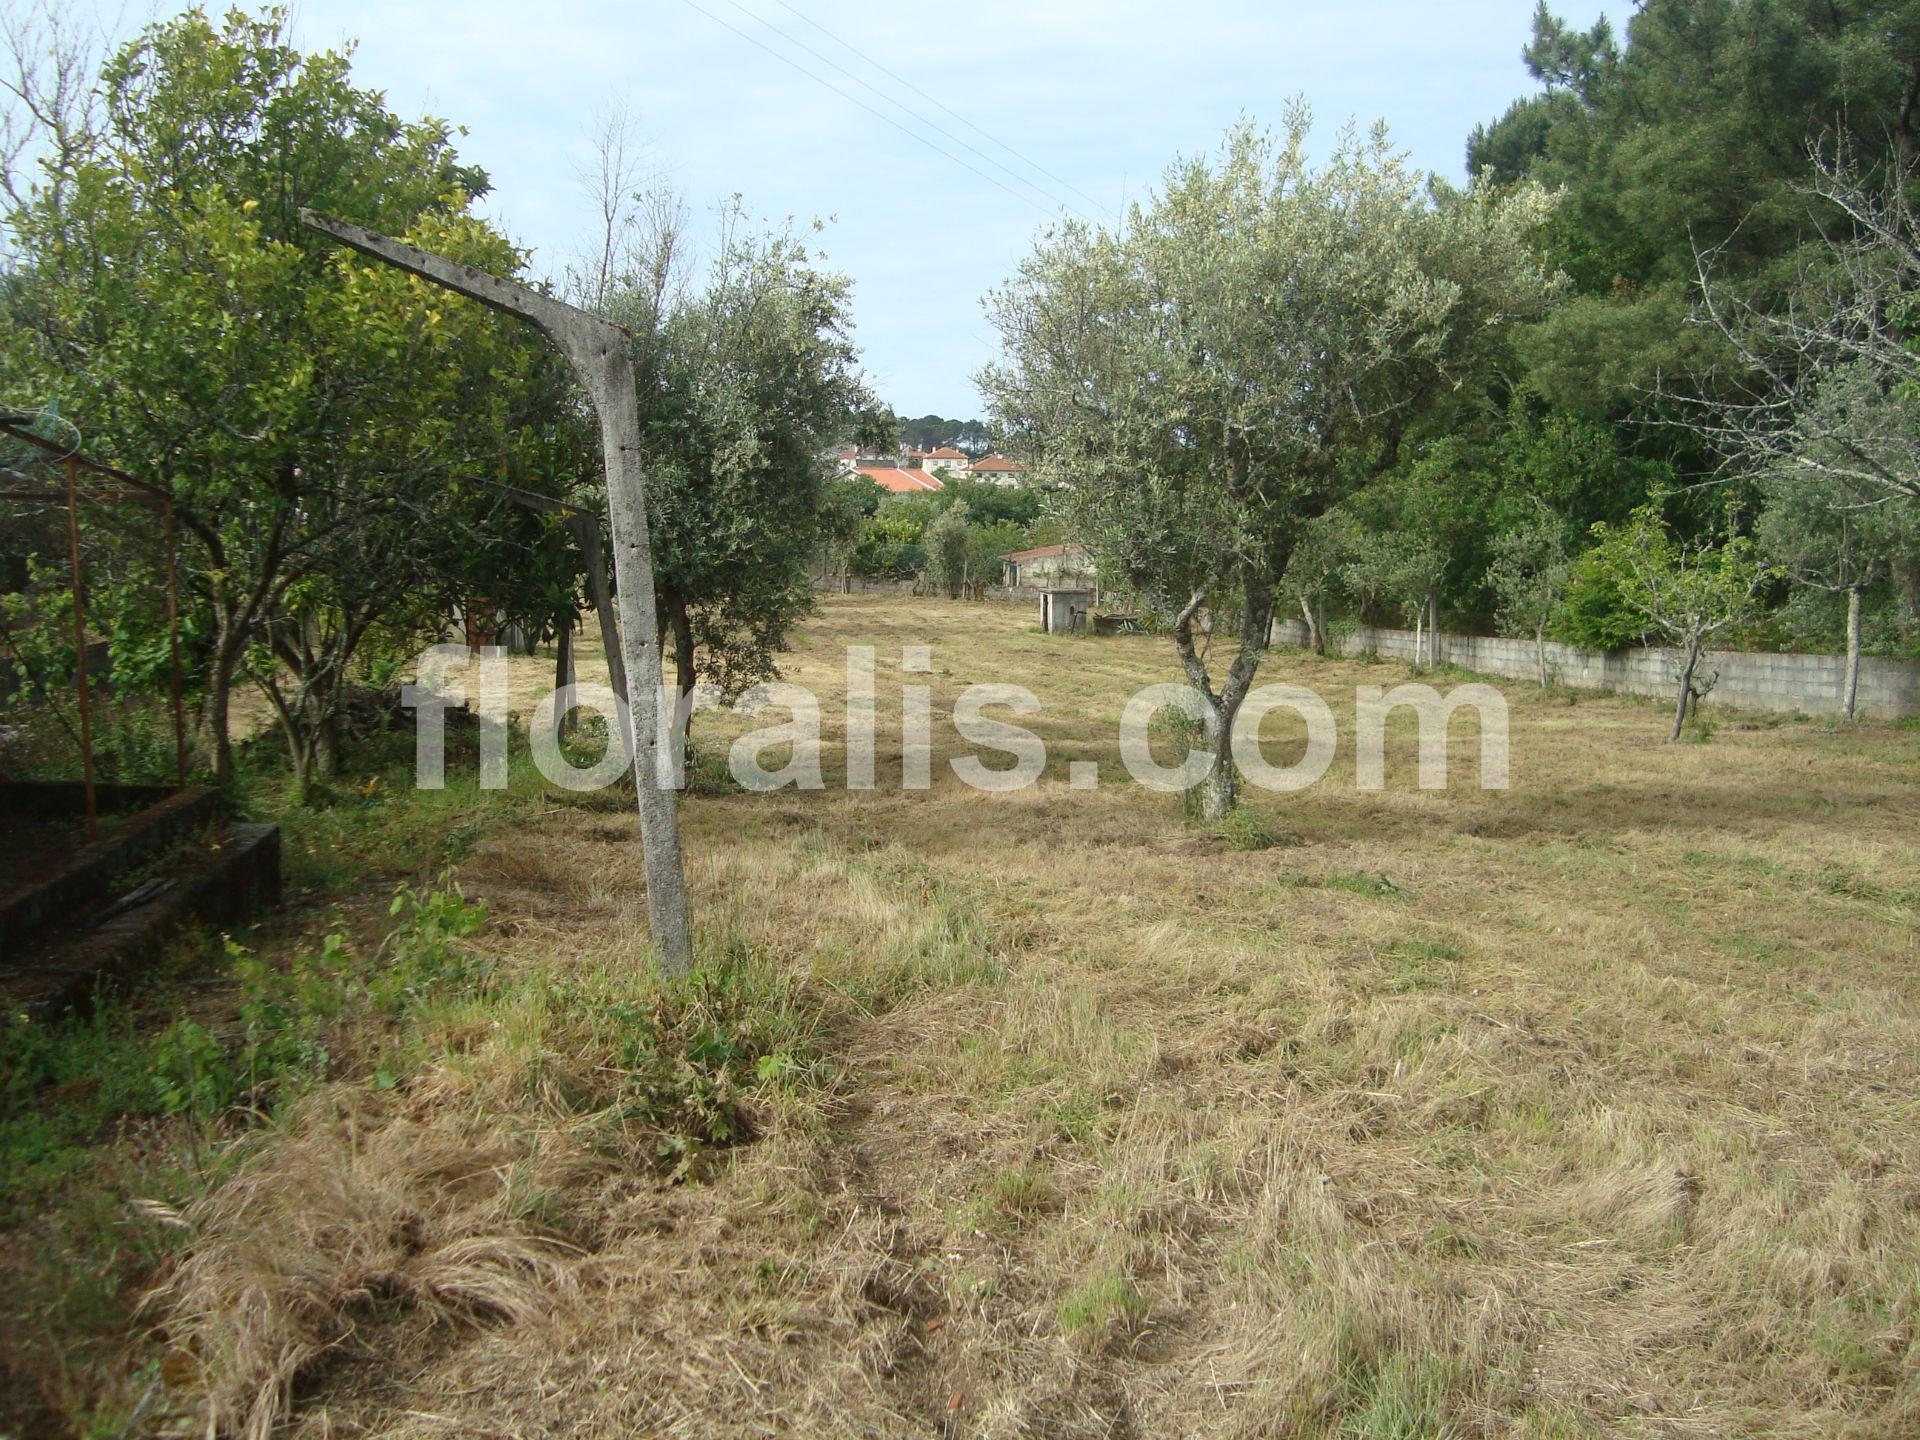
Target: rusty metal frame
x,y
72,463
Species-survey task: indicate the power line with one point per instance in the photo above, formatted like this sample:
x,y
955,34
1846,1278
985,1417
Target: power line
x,y
937,128
877,114
1023,159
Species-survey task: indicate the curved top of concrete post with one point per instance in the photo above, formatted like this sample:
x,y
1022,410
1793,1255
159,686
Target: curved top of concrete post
x,y
573,329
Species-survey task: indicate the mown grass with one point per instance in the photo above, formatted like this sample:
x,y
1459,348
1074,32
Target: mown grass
x,y
1584,1108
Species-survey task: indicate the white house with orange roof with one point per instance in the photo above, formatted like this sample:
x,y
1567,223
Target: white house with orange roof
x,y
997,469
954,462
900,480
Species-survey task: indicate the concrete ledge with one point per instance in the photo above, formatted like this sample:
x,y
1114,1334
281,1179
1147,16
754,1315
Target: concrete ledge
x,y
168,816
237,878
52,799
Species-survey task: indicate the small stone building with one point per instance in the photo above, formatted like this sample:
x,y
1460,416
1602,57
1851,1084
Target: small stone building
x,y
1062,612
1063,566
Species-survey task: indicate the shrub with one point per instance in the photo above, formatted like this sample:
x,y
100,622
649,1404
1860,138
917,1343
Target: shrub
x,y
688,1058
1594,612
191,1073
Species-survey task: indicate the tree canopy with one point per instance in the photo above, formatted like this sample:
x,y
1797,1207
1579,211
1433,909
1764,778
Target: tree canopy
x,y
314,419
1256,340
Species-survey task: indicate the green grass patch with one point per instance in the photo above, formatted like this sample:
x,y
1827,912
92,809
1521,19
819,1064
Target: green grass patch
x,y
1106,1301
66,1084
1370,887
1420,964
1010,1197
683,1062
372,821
1078,1118
1401,1398
1243,829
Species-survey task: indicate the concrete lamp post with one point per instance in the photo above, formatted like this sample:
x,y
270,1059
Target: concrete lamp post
x,y
598,352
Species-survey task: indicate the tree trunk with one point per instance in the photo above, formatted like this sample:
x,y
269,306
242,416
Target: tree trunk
x,y
1686,689
326,743
297,736
1316,638
1540,651
215,724
318,662
323,706
305,751
600,596
562,650
1220,789
297,757
563,671
1852,693
1433,625
216,705
685,671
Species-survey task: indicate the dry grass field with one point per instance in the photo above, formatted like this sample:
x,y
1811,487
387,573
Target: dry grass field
x,y
1588,1107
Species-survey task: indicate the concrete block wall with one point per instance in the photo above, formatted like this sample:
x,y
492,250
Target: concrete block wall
x,y
1749,680
1007,594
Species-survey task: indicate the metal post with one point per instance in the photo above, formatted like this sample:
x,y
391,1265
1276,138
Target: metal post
x,y
80,642
173,648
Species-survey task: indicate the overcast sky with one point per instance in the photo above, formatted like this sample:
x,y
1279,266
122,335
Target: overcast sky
x,y
1085,102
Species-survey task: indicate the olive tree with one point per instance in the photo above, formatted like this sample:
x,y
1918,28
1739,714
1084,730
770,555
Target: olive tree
x,y
1529,570
1319,558
1251,344
1686,592
949,549
1401,567
747,374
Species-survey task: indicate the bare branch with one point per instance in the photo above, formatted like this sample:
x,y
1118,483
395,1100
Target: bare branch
x,y
1807,370
50,58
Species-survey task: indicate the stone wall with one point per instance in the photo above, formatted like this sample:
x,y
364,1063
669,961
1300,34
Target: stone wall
x,y
1749,680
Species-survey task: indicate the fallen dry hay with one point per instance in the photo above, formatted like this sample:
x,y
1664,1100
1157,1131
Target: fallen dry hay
x,y
1590,1107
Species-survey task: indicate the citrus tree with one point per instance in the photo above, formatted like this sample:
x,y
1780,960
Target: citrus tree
x,y
311,418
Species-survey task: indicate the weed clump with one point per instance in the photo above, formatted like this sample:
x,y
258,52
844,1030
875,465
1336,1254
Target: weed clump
x,y
691,1055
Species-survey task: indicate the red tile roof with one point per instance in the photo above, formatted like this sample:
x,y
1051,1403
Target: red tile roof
x,y
900,482
1046,550
998,464
946,452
